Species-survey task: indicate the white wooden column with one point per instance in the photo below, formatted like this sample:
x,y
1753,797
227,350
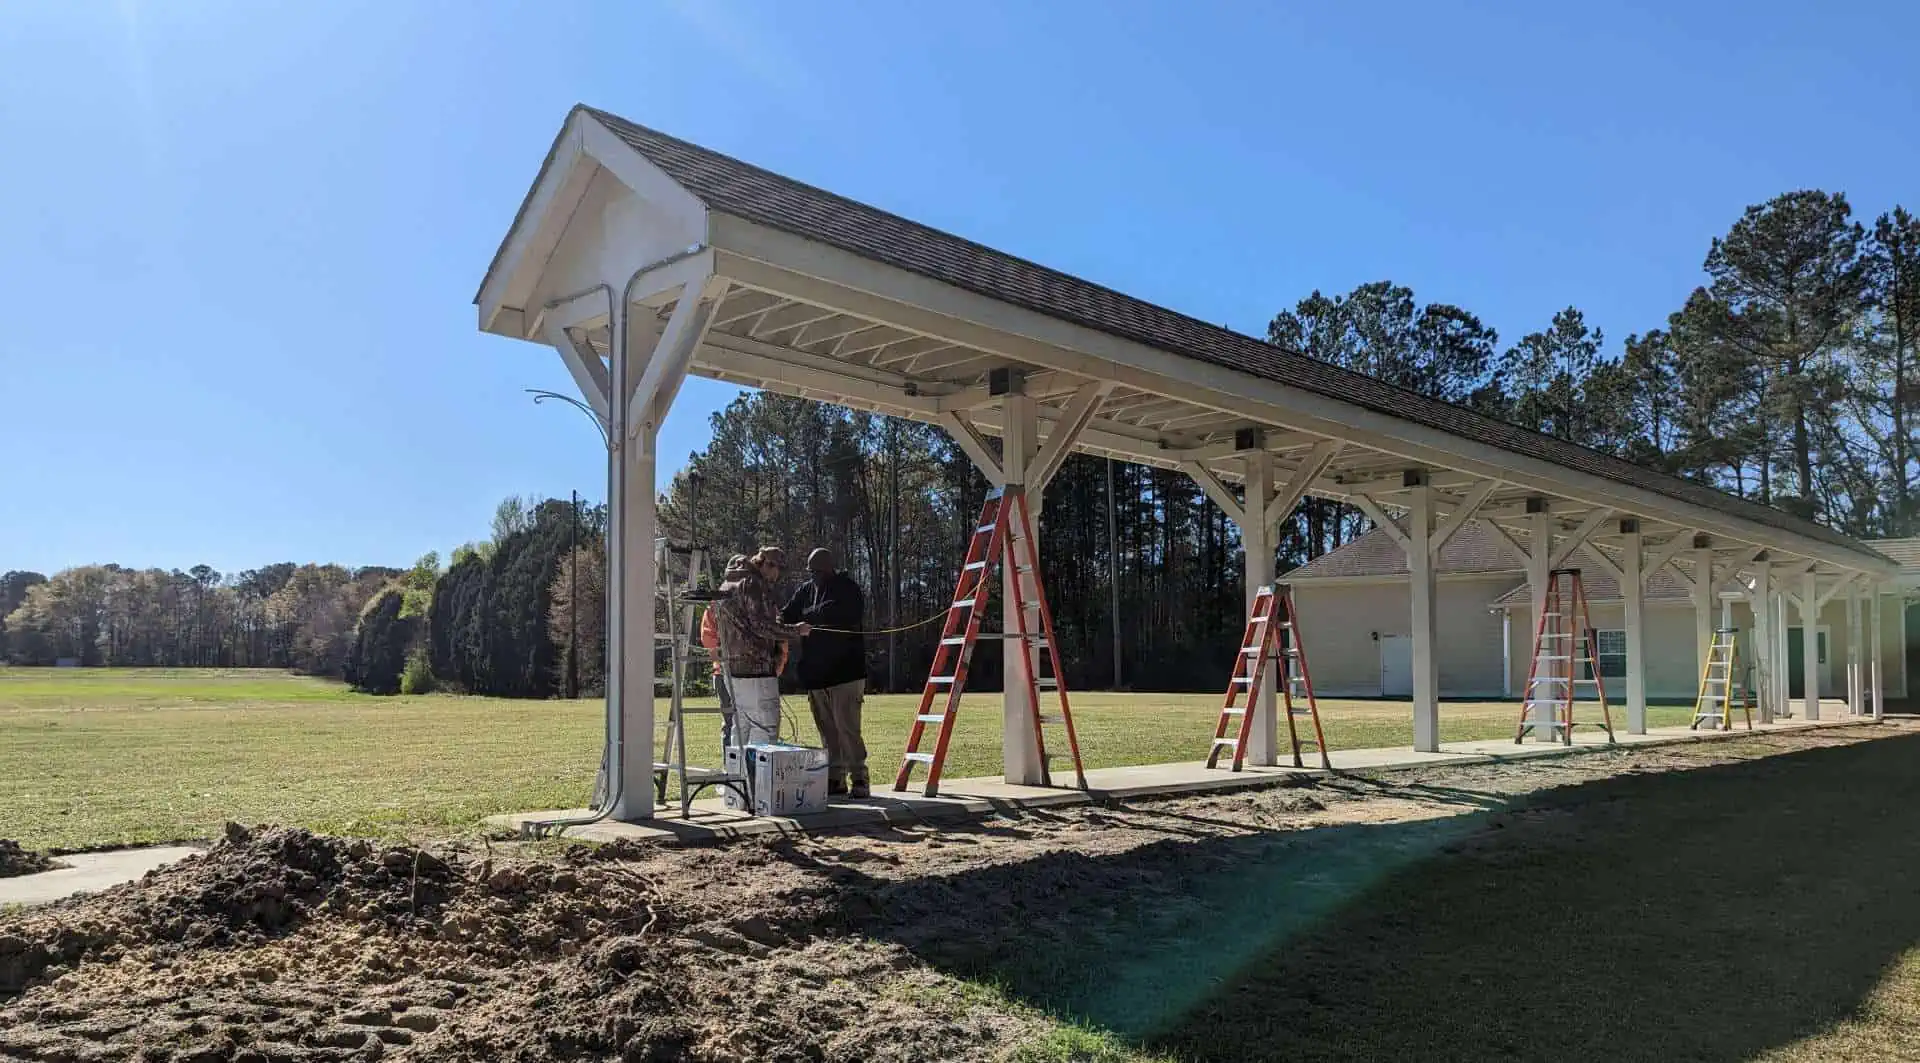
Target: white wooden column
x,y
1856,657
1703,595
1810,646
1633,589
1019,753
1420,572
1764,670
1782,617
1257,541
1876,682
1539,572
631,523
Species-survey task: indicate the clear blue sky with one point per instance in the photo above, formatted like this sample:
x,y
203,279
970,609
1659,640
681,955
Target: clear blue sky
x,y
240,240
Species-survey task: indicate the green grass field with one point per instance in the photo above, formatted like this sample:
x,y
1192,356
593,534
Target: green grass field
x,y
111,756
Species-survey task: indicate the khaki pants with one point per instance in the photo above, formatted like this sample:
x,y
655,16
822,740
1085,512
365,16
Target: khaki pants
x,y
836,712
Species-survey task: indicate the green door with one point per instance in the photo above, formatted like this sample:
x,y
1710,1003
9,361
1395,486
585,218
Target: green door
x,y
1797,661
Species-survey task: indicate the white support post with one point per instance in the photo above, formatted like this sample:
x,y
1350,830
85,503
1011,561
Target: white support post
x,y
1019,752
1856,674
1783,690
1539,571
1764,666
1876,682
630,579
1256,537
1426,665
1633,588
1703,594
1810,645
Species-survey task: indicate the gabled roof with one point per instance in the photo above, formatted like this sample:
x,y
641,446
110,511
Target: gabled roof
x,y
765,198
1472,550
1601,588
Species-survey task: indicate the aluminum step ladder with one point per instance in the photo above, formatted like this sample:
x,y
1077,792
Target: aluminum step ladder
x,y
1002,534
1564,662
1272,637
680,578
1720,685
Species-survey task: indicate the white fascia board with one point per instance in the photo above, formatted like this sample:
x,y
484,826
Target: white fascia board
x,y
772,260
536,231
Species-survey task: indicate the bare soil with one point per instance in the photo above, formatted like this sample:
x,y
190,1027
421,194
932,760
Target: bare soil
x,y
16,860
282,945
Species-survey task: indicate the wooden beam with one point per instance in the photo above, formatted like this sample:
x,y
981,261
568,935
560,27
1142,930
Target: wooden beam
x,y
1506,538
1303,477
1462,513
583,362
1379,519
969,439
1664,554
1066,432
1217,490
1579,535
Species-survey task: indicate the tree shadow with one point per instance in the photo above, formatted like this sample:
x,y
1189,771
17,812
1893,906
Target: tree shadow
x,y
1705,914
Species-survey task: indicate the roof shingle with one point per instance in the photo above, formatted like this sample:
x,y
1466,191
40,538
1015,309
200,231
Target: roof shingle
x,y
761,196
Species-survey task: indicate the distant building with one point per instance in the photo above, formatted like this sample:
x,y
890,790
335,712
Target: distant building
x,y
1354,613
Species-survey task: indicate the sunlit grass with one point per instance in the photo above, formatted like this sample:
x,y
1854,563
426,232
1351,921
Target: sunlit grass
x,y
121,756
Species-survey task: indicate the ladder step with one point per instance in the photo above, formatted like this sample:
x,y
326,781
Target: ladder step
x,y
983,528
959,641
1226,741
1053,718
931,717
973,566
940,679
1235,711
966,603
1243,680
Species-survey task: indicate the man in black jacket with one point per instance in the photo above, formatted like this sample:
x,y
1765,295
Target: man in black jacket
x,y
833,667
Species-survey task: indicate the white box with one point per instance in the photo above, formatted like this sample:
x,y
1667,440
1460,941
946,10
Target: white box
x,y
786,780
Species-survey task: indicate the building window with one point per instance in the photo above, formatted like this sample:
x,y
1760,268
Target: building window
x,y
1610,648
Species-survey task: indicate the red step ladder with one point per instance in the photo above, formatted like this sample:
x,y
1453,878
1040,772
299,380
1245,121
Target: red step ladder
x,y
1564,659
1004,532
1272,637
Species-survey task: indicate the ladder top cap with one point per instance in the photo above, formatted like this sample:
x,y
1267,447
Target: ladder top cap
x,y
1564,572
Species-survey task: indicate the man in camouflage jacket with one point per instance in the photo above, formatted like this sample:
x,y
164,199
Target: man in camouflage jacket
x,y
750,637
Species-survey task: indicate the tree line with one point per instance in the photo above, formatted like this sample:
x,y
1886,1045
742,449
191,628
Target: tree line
x,y
1787,376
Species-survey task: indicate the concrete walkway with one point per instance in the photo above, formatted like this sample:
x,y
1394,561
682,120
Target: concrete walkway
x,y
89,873
985,796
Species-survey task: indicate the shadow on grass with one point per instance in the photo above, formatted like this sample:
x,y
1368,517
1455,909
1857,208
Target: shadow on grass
x,y
1707,914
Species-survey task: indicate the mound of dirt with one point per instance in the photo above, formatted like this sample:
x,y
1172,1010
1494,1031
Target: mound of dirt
x,y
279,944
16,860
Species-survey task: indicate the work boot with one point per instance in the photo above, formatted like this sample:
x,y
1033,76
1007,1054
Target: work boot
x,y
859,789
836,787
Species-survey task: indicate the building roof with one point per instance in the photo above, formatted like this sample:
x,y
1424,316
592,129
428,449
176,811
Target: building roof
x,y
760,196
1905,552
1600,587
1472,550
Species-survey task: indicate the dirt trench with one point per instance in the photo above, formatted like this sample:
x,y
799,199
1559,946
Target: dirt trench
x,y
281,945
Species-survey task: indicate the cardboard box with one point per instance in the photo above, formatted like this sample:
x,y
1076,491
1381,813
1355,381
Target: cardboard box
x,y
786,780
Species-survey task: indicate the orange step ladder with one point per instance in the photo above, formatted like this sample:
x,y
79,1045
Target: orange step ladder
x,y
1003,533
1272,637
1563,649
